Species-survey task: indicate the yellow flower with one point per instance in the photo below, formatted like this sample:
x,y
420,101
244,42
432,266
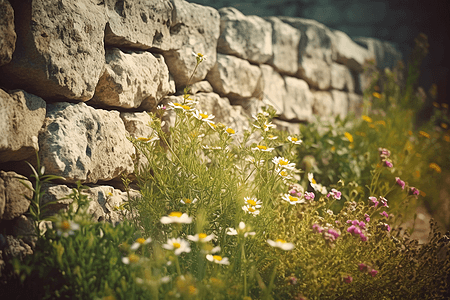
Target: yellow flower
x,y
410,132
349,136
376,95
424,134
367,119
333,148
230,130
447,138
381,122
444,125
435,167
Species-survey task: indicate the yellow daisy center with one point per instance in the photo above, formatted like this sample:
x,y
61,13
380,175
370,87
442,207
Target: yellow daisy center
x,y
283,162
313,181
175,214
65,225
251,202
177,104
251,209
294,139
217,257
202,235
140,241
293,199
143,139
280,241
186,107
176,245
199,55
283,173
133,258
187,200
262,147
204,116
230,131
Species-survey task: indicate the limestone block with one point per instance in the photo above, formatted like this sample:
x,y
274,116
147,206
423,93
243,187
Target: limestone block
x,y
138,24
298,101
59,50
103,200
235,78
137,123
341,78
132,80
386,54
16,248
21,117
201,86
79,142
323,104
23,227
285,42
274,90
247,37
292,128
316,72
7,34
355,104
340,103
252,106
350,53
13,194
194,28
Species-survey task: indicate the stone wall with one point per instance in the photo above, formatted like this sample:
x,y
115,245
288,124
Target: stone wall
x,y
78,77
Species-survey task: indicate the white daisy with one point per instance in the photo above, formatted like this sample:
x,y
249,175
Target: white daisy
x,y
132,258
292,199
203,116
201,237
66,228
253,202
139,242
262,148
283,163
282,244
179,245
218,259
176,217
175,105
266,126
283,173
199,57
316,186
188,201
294,140
251,210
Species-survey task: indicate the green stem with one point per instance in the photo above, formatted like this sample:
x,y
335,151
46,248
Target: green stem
x,y
272,279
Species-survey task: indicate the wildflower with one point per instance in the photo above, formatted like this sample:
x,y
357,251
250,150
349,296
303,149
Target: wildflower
x,y
283,173
183,107
266,126
424,134
376,95
294,140
283,163
317,187
203,116
400,182
384,153
388,163
130,259
199,57
381,122
139,242
66,228
367,119
386,226
444,125
374,201
176,217
447,138
414,191
282,244
357,228
292,200
177,244
262,148
348,279
335,194
251,210
373,272
230,131
317,228
309,195
384,214
384,201
201,237
333,232
188,201
349,137
435,167
362,267
367,217
218,259
161,107
271,137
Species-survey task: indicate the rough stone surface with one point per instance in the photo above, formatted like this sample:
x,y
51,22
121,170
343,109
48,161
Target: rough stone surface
x,y
247,37
137,124
274,91
21,117
23,228
323,104
340,103
285,42
298,100
103,200
194,28
14,195
201,86
341,78
16,248
348,52
7,34
316,72
132,79
292,128
355,104
59,51
234,77
82,143
385,53
139,24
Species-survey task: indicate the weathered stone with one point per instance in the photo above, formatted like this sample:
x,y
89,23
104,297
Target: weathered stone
x,y
194,28
323,104
252,106
355,104
21,117
341,78
132,79
285,42
137,124
235,78
59,51
316,72
340,103
274,90
292,128
385,53
14,194
247,37
103,205
348,52
201,86
298,100
16,248
79,142
7,34
23,228
138,24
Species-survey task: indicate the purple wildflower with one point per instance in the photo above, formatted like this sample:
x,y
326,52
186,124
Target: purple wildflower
x,y
373,272
400,182
348,279
367,218
317,228
388,163
362,267
374,201
385,214
309,195
384,202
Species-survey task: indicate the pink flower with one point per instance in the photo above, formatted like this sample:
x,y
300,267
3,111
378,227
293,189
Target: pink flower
x,y
387,227
317,228
384,214
388,163
333,233
384,202
367,218
374,201
292,192
335,193
362,267
384,153
400,182
309,195
362,225
414,191
363,237
373,272
348,279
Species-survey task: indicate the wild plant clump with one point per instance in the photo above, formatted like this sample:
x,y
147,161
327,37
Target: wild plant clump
x,y
230,215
